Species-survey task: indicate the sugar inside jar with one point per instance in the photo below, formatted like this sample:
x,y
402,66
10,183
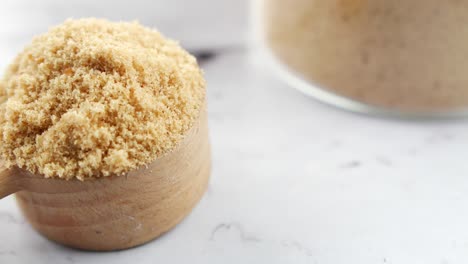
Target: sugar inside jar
x,y
406,57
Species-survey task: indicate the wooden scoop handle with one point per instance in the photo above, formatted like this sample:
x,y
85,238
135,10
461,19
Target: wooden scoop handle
x,y
8,181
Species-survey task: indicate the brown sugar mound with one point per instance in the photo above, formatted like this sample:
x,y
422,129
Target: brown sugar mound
x,y
93,98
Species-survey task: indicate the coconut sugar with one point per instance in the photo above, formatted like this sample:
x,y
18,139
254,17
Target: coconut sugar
x,y
404,55
93,98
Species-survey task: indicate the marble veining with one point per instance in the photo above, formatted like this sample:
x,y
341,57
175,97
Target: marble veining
x,y
9,218
223,227
294,181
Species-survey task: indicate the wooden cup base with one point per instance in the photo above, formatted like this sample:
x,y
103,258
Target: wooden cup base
x,y
118,212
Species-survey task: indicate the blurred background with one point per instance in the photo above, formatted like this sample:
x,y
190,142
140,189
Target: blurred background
x,y
294,181
198,25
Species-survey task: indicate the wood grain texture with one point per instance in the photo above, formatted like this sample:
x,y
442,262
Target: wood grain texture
x,y
120,212
8,183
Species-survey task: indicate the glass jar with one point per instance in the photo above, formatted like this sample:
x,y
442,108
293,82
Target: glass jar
x,y
379,56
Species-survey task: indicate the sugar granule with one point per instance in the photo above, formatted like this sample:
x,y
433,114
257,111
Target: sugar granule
x,y
94,98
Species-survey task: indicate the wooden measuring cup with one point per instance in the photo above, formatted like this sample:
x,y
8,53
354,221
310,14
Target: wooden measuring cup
x,y
116,212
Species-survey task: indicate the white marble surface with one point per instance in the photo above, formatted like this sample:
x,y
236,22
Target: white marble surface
x,y
295,181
